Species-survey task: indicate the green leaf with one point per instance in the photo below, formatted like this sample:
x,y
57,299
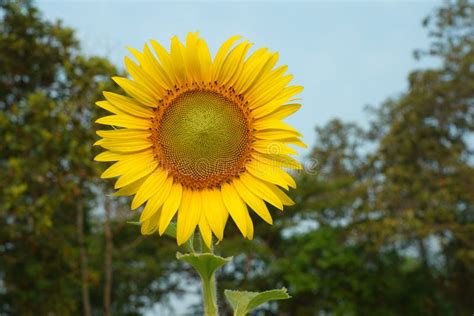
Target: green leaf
x,y
244,302
134,223
171,230
204,263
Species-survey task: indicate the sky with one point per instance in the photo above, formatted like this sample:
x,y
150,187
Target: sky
x,y
347,54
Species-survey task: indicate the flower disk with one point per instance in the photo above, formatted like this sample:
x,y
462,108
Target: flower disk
x,y
203,138
199,138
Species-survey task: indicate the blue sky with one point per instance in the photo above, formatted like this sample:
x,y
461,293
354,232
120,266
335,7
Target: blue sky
x,y
346,54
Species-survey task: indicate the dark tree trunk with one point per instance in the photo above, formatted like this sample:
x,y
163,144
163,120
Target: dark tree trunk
x,y
108,258
83,262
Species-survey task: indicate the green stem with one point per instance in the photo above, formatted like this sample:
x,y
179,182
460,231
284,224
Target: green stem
x,y
209,296
209,287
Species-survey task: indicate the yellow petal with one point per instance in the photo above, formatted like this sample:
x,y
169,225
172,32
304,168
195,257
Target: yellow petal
x,y
235,206
117,169
109,156
128,105
170,207
253,201
130,189
264,110
275,104
269,92
204,60
140,170
137,54
165,60
287,177
273,147
137,91
205,231
215,211
274,134
270,174
264,124
157,200
150,226
251,68
233,64
153,67
260,189
249,227
260,72
278,161
289,92
125,145
189,215
294,141
221,55
123,166
143,78
124,133
106,105
177,57
152,184
266,81
286,200
125,121
191,57
284,111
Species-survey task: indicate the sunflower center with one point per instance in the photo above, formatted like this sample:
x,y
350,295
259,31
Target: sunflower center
x,y
202,138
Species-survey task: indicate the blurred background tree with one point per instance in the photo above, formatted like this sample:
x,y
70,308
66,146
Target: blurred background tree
x,y
384,216
46,183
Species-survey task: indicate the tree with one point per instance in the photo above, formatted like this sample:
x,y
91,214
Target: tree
x,y
46,91
424,160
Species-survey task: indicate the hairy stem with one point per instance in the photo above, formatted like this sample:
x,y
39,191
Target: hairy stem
x,y
210,297
209,287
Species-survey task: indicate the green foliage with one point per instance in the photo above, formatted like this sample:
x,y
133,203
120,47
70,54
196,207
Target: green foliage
x,y
206,264
423,164
144,269
46,90
244,302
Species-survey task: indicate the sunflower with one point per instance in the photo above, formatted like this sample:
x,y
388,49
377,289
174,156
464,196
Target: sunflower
x,y
199,138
